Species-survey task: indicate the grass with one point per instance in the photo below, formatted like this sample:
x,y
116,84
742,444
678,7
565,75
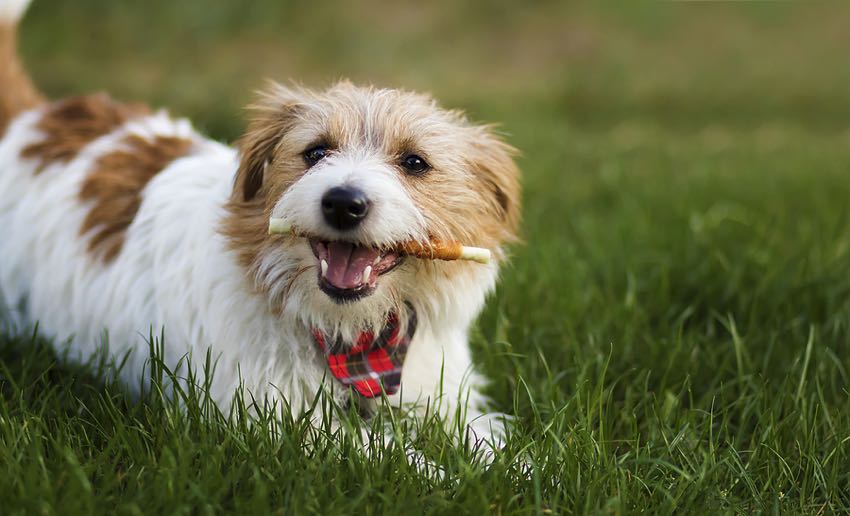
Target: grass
x,y
673,338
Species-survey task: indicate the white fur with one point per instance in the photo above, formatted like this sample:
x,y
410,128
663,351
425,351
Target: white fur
x,y
176,272
12,10
392,217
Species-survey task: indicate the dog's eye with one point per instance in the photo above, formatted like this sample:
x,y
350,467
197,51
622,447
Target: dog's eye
x,y
315,154
414,165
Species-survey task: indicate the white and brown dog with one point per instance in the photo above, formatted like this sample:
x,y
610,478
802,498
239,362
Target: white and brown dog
x,y
121,220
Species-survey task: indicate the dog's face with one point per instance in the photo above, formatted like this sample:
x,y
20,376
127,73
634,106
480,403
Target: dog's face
x,y
358,171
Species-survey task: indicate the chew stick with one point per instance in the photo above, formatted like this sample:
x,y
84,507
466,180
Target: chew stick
x,y
433,250
436,250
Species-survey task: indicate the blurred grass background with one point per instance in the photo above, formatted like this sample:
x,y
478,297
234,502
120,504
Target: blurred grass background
x,y
673,337
563,63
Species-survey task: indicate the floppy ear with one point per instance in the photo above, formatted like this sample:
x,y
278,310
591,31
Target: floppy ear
x,y
272,116
493,163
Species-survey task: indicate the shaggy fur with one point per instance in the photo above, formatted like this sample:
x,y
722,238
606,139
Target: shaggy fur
x,y
69,125
121,221
116,183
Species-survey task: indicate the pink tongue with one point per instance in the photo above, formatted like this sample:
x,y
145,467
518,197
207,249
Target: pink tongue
x,y
346,263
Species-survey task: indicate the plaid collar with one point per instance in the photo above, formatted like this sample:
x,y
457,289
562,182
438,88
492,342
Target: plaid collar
x,y
372,361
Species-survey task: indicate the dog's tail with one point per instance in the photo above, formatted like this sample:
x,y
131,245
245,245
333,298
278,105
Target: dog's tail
x,y
17,92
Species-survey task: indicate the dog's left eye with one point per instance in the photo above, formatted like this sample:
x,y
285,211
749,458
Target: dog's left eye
x,y
315,154
414,165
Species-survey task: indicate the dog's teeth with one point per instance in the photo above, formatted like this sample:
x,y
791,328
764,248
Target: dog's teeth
x,y
377,260
324,269
366,273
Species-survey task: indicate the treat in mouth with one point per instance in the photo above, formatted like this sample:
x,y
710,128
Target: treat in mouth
x,y
348,271
431,250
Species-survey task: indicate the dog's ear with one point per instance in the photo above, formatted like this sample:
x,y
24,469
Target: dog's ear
x,y
272,116
493,163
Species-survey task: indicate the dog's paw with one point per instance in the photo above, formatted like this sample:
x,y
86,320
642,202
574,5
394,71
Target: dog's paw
x,y
486,434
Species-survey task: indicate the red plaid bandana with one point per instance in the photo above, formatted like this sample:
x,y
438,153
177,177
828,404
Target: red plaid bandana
x,y
371,362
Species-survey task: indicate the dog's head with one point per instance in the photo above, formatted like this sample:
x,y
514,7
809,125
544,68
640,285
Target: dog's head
x,y
359,171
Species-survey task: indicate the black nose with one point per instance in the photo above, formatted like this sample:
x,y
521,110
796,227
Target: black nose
x,y
344,207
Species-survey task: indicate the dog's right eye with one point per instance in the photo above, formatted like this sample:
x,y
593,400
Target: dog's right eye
x,y
315,154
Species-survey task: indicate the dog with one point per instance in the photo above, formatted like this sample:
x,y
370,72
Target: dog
x,y
119,222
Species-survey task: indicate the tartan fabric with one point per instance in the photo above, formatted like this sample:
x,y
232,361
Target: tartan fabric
x,y
373,361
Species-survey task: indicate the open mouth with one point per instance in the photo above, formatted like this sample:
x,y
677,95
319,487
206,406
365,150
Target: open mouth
x,y
347,271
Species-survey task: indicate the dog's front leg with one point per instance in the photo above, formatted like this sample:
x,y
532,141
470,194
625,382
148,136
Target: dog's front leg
x,y
439,377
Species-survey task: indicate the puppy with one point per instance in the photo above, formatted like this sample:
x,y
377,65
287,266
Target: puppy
x,y
120,221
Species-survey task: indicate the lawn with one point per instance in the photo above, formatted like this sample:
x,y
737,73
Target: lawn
x,y
673,336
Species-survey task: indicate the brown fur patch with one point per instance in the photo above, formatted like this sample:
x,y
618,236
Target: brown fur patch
x,y
250,207
246,226
71,124
115,186
17,93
